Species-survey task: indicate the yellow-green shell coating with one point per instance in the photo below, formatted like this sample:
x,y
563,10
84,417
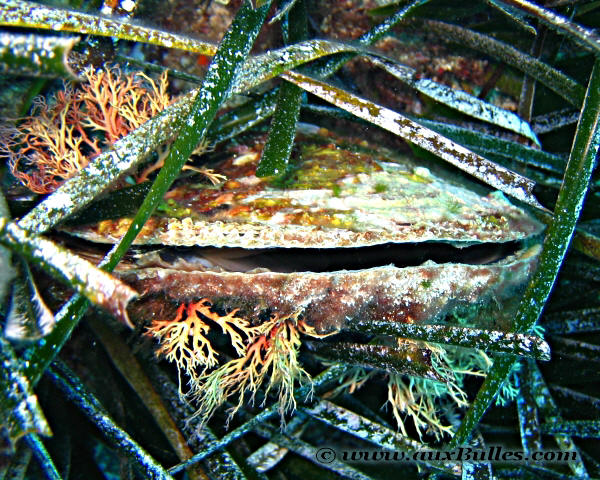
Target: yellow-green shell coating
x,y
335,197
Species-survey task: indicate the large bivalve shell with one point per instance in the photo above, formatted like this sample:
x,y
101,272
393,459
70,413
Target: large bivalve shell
x,y
421,294
335,197
280,266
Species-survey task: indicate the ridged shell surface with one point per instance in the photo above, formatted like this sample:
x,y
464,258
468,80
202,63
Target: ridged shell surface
x,y
335,196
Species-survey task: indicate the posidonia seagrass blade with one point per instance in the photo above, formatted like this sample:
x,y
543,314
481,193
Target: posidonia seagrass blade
x,y
413,361
89,405
308,452
41,454
36,55
20,413
515,15
529,425
320,382
21,13
554,120
372,432
568,208
573,428
458,99
28,317
484,144
498,177
551,413
492,340
280,141
554,79
578,33
98,286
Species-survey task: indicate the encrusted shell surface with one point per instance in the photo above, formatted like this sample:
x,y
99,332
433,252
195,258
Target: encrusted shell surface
x,y
329,299
336,196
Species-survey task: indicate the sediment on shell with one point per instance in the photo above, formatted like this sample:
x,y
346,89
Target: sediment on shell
x,y
326,300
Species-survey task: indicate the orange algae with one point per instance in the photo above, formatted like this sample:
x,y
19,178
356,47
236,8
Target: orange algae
x,y
266,351
63,135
